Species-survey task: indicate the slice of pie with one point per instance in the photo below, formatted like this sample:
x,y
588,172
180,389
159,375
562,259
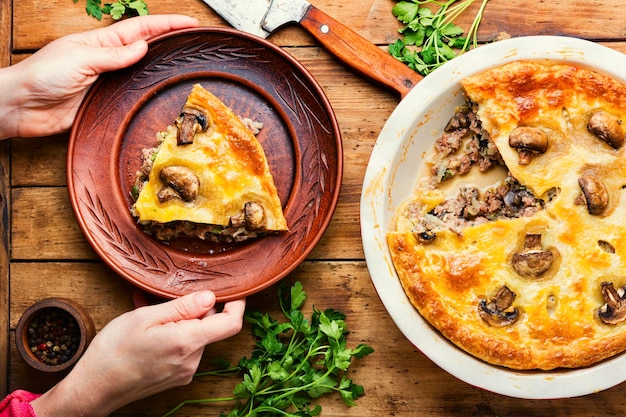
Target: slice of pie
x,y
207,178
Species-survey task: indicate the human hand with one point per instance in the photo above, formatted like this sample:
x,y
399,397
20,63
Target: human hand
x,y
41,95
141,353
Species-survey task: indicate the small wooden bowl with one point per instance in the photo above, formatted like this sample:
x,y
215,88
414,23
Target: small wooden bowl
x,y
58,315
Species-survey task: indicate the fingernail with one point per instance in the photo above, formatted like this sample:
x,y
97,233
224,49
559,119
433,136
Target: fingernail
x,y
205,299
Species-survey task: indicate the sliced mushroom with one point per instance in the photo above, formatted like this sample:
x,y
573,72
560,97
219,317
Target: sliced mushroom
x,y
167,193
533,261
427,236
497,311
254,216
424,229
190,122
595,194
614,309
182,180
513,199
528,141
237,221
608,128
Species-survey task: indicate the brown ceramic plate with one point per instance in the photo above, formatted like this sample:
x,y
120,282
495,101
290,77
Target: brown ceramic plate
x,y
125,109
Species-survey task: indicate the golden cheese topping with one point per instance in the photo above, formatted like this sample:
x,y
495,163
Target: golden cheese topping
x,y
554,318
558,99
229,164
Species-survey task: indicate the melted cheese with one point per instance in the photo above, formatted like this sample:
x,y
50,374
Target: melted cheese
x,y
231,167
446,279
559,99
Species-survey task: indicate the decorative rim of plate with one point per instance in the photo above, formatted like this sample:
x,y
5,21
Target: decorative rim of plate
x,y
379,201
310,137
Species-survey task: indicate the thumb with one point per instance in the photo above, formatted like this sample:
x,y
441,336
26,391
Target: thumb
x,y
187,307
112,58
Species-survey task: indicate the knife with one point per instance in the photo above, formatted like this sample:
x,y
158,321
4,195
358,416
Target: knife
x,y
243,15
263,17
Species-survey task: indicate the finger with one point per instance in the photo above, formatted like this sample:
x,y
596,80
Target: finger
x,y
219,326
124,43
140,28
101,60
186,307
212,311
235,308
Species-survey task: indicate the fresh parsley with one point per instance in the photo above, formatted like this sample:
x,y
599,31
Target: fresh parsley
x,y
117,10
430,38
294,362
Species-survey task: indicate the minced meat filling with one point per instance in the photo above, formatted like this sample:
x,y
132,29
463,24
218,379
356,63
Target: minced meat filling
x,y
464,130
147,159
212,233
464,144
509,200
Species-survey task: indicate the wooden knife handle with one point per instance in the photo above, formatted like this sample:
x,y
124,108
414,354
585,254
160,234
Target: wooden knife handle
x,y
359,53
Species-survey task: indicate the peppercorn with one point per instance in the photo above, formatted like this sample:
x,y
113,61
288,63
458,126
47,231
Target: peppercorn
x,y
53,336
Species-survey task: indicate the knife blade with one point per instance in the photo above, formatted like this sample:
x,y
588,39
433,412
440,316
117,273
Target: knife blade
x,y
282,12
245,15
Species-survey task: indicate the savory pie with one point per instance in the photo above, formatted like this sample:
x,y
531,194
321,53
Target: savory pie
x,y
514,243
208,177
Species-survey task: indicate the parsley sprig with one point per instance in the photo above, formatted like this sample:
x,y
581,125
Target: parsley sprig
x,y
430,38
117,10
294,362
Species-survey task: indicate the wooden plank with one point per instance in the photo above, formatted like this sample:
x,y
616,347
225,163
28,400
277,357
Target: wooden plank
x,y
588,19
32,281
39,161
49,14
596,19
5,201
371,19
44,226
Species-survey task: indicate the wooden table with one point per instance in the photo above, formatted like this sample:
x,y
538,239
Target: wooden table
x,y
45,253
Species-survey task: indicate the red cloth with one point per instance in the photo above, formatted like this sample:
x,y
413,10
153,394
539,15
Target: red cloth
x,y
17,404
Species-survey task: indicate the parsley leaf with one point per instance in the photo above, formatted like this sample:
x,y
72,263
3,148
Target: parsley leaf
x,y
429,37
93,8
118,10
293,363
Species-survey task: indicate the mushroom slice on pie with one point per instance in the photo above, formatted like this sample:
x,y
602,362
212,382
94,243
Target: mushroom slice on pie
x,y
208,178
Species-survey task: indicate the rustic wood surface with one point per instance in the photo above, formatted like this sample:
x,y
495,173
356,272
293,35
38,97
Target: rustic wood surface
x,y
50,257
5,60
